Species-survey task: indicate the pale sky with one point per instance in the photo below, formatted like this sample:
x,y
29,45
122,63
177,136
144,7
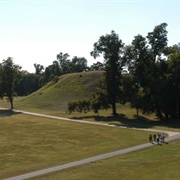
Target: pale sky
x,y
35,31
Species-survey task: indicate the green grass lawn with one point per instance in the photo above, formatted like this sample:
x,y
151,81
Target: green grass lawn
x,y
158,162
126,116
31,143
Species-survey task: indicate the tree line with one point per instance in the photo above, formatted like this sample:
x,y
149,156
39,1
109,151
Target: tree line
x,y
151,84
17,82
25,83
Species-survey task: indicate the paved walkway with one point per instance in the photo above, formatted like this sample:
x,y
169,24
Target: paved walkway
x,y
172,136
170,133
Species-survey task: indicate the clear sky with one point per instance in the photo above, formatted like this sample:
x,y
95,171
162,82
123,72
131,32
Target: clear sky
x,y
35,31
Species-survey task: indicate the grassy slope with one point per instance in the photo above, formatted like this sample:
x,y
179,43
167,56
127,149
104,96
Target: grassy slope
x,y
55,97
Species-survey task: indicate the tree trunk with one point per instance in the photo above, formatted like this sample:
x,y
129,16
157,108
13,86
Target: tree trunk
x,y
11,101
159,114
12,107
114,108
137,113
178,110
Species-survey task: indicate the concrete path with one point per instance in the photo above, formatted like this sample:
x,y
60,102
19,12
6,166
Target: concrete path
x,y
172,136
170,133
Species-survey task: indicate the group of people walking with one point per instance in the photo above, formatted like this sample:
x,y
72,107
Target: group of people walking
x,y
157,138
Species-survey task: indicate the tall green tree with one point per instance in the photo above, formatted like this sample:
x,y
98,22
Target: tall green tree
x,y
111,47
158,41
27,83
8,75
146,57
138,60
38,68
79,64
173,79
56,68
62,58
64,62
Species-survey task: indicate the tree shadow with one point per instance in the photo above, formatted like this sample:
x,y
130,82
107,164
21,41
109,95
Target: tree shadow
x,y
123,120
8,112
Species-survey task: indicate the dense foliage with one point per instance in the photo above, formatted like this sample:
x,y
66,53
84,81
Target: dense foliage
x,y
150,64
9,73
153,81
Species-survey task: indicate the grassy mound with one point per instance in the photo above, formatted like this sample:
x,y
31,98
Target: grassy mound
x,y
56,95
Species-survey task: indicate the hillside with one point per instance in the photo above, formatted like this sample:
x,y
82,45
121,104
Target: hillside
x,y
56,95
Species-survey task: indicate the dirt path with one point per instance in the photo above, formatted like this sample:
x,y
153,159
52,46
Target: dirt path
x,y
172,136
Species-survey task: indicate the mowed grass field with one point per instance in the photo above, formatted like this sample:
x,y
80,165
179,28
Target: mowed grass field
x,y
30,143
158,162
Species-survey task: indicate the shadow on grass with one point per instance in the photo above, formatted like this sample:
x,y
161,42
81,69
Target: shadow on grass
x,y
123,120
9,112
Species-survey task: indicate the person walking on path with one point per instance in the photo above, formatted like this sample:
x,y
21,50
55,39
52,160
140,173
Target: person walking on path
x,y
163,137
150,138
154,136
158,138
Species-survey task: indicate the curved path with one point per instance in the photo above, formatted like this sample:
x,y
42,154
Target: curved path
x,y
170,133
172,136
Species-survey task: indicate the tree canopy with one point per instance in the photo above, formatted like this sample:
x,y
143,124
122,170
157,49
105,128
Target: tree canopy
x,y
8,75
112,48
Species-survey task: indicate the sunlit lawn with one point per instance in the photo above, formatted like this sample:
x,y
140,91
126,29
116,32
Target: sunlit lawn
x,y
31,143
126,116
158,162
